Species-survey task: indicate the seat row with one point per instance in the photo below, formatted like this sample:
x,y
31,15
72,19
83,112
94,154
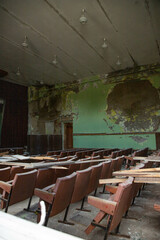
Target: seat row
x,y
82,153
138,153
117,206
82,182
14,191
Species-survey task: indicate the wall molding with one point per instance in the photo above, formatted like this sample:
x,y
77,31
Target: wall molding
x,y
110,134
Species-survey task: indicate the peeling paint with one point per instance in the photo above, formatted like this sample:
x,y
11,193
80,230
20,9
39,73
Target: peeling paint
x,y
89,104
138,139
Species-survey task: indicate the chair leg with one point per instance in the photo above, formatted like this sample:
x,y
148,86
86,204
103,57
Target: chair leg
x,y
117,228
82,208
8,201
139,193
65,218
133,201
103,190
126,214
29,204
95,192
107,228
47,215
99,217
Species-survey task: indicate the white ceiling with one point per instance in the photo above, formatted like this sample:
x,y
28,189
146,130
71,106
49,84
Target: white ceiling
x,y
52,27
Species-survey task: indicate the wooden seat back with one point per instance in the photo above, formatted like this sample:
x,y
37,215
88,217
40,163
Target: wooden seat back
x,y
45,177
121,197
63,193
22,187
94,178
81,183
105,170
5,174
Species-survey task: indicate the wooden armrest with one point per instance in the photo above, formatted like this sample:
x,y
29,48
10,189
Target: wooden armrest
x,y
44,195
157,207
5,186
111,189
104,205
107,157
50,187
128,158
112,180
10,182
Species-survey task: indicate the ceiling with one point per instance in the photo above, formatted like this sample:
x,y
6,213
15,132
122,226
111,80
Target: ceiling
x,y
130,27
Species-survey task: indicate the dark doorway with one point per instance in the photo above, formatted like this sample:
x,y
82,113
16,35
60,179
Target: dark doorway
x,y
68,135
157,141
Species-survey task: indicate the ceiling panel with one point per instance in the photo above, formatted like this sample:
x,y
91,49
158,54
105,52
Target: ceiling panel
x,y
131,29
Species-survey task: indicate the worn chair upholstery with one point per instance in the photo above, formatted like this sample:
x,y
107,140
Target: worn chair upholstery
x,y
114,208
20,189
57,197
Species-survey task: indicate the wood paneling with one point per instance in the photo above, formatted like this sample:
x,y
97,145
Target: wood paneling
x,y
40,144
15,122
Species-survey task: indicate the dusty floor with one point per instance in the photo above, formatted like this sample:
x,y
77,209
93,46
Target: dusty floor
x,y
143,222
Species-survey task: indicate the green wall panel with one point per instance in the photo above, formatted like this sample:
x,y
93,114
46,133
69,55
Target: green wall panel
x,y
119,141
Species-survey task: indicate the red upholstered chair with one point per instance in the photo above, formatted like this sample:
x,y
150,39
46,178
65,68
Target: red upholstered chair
x,y
57,197
113,208
20,189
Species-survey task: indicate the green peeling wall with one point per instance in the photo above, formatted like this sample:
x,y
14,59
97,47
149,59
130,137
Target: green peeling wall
x,y
120,111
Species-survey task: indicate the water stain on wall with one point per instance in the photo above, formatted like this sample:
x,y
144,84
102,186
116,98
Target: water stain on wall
x,y
134,105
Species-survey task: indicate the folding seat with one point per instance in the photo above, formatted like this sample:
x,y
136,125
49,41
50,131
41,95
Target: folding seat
x,y
78,155
114,154
45,177
105,169
4,175
80,189
113,208
21,188
15,170
112,167
93,163
93,182
73,168
105,173
119,164
57,197
84,165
